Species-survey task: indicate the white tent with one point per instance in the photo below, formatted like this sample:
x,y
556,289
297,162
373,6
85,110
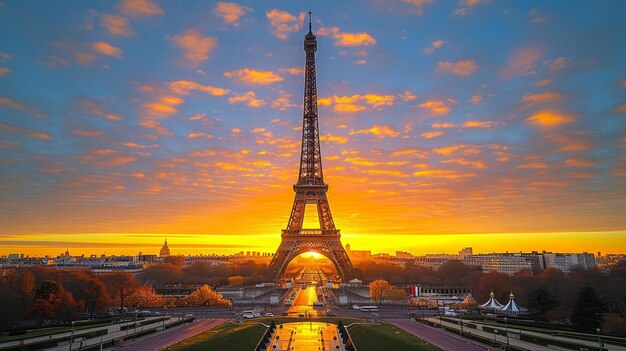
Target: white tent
x,y
492,304
513,307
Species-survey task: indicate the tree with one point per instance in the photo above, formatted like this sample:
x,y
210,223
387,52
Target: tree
x,y
146,296
95,295
235,280
398,296
587,315
120,285
540,301
204,296
378,289
52,301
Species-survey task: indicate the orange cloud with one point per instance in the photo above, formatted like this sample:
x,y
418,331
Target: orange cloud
x,y
85,58
183,87
334,138
116,25
479,124
430,135
522,62
140,8
4,71
105,48
444,125
558,64
155,125
250,76
441,173
31,133
464,162
348,108
408,96
417,5
380,131
548,96
435,45
465,6
622,108
347,39
5,101
248,98
577,162
459,68
195,46
231,12
542,83
193,135
90,107
284,23
86,133
549,119
436,107
296,71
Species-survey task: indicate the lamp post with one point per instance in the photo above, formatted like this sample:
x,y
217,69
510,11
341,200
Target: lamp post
x,y
506,330
72,335
599,340
495,343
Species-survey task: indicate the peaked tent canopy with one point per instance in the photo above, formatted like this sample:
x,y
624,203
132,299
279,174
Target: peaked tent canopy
x,y
492,303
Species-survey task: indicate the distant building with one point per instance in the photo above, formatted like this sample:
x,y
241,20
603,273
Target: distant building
x,y
509,263
165,250
356,255
566,261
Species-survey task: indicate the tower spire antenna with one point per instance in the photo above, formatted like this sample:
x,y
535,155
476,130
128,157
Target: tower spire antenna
x,y
310,20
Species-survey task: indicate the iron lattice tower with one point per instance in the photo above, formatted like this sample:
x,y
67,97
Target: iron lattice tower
x,y
311,188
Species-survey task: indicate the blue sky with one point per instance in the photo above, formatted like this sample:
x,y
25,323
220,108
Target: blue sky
x,y
437,117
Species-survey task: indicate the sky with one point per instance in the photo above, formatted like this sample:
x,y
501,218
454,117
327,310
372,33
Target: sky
x,y
499,125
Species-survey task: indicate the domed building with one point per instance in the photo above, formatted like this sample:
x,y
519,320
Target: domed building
x,y
165,250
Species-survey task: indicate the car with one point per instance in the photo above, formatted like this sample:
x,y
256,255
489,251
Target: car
x,y
284,314
248,315
269,314
331,314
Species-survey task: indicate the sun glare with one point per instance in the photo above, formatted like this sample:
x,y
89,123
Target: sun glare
x,y
312,254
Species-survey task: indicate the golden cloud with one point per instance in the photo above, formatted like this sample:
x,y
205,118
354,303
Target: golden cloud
x,y
459,68
430,135
4,71
140,8
378,130
231,12
183,87
347,39
348,108
334,138
250,76
292,70
548,96
436,107
196,47
116,25
248,98
480,124
549,119
105,48
284,23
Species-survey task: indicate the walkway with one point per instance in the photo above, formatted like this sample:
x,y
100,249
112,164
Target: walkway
x,y
445,340
306,336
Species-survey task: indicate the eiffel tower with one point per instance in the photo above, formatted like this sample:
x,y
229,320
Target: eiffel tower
x,y
311,188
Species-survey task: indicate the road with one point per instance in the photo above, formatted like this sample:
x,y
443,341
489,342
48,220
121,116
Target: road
x,y
160,341
303,303
446,341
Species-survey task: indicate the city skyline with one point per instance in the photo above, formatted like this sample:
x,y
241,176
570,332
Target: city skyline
x,y
517,135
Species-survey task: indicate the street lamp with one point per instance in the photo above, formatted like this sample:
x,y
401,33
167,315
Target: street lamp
x,y
599,340
72,335
495,343
506,330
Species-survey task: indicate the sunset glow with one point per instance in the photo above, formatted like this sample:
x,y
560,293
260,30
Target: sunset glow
x,y
443,125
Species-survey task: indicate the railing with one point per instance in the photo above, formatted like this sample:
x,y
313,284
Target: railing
x,y
345,337
266,338
311,232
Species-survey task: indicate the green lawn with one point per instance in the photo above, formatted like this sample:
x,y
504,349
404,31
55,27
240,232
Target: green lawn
x,y
386,337
232,337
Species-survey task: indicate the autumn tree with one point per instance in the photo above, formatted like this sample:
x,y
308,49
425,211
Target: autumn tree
x,y
120,285
379,289
204,296
145,296
397,295
52,301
